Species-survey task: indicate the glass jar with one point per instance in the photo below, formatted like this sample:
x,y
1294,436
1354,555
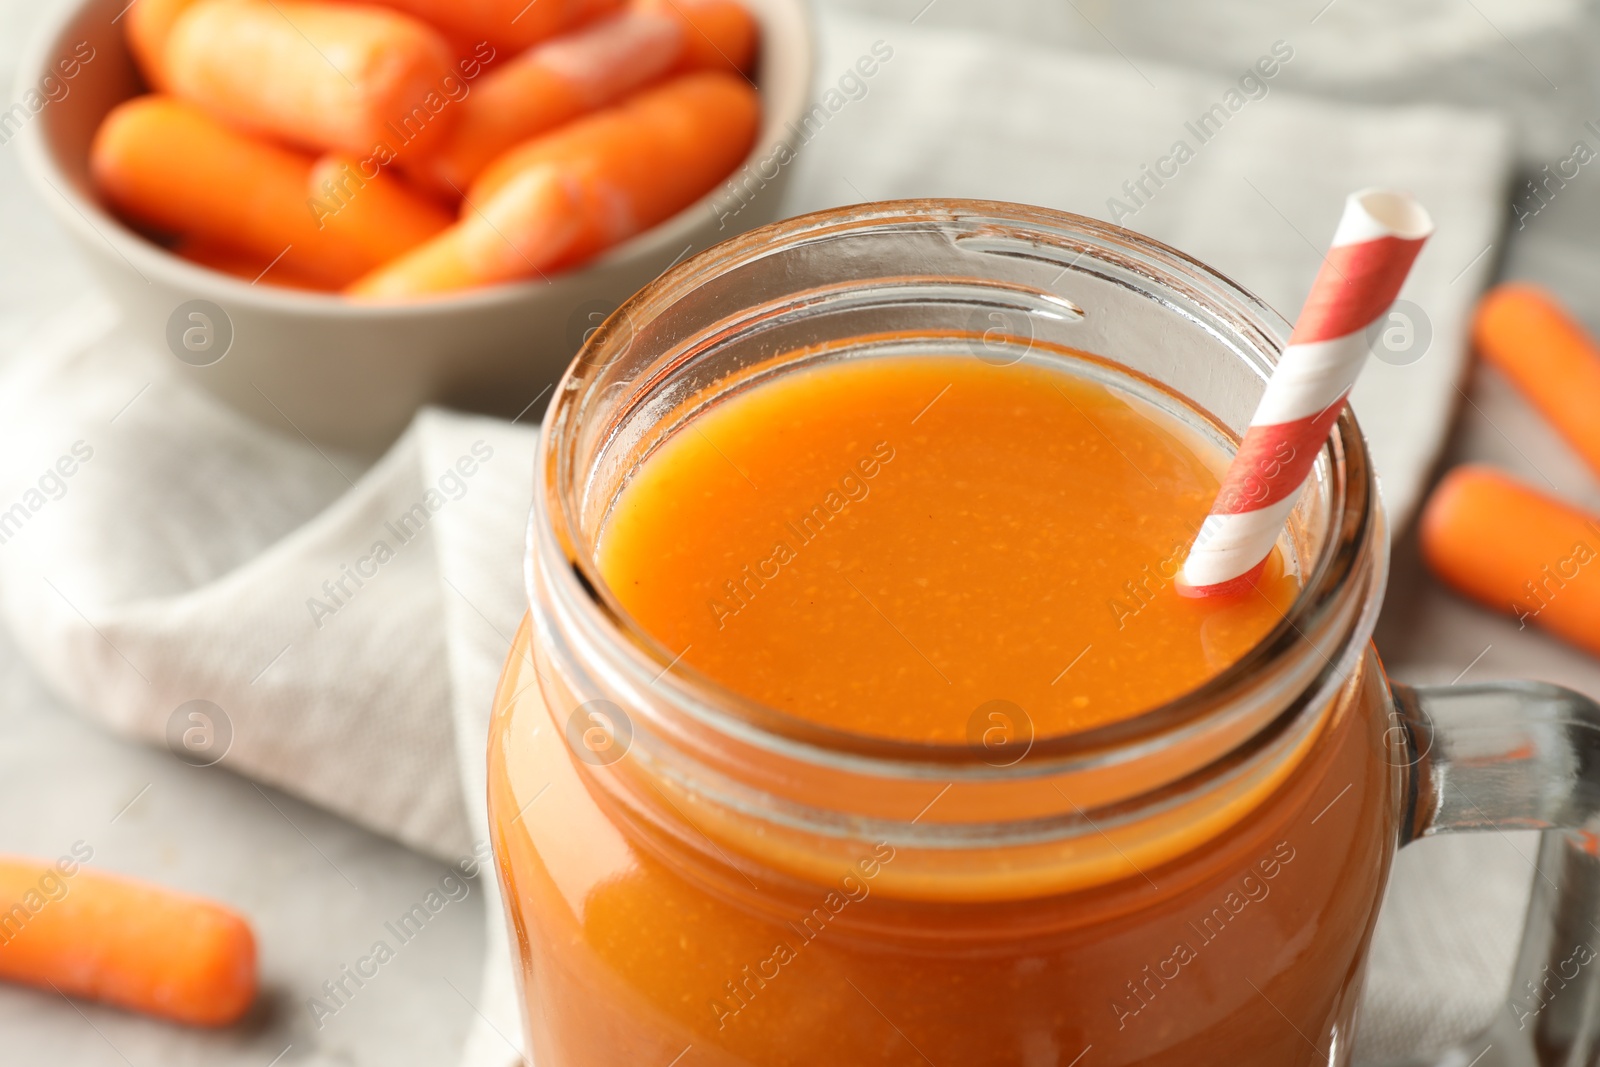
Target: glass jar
x,y
692,878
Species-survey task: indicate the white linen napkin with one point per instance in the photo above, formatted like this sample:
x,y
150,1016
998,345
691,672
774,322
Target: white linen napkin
x,y
192,555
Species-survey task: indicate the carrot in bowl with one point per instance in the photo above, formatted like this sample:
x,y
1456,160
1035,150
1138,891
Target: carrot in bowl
x,y
722,33
165,164
328,76
365,207
548,85
149,25
517,234
1516,550
559,199
511,25
128,943
559,80
1524,332
246,266
654,148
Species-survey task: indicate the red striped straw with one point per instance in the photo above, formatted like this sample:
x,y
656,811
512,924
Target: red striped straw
x,y
1373,249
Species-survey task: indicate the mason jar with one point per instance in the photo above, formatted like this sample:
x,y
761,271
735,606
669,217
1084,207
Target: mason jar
x,y
694,878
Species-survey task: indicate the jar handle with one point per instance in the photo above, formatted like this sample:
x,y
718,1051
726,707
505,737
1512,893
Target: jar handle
x,y
1518,756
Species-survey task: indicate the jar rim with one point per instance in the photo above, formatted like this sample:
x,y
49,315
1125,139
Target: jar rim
x,y
1354,517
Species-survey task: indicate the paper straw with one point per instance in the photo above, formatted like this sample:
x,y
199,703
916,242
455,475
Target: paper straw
x,y
1377,241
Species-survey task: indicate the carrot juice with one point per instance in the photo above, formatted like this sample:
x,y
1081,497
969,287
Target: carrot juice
x,y
933,556
884,546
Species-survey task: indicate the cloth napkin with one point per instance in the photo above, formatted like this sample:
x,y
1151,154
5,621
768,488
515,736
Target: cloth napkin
x,y
192,555
1531,59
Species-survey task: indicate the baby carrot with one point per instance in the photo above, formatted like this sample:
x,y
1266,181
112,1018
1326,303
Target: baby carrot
x,y
507,24
149,24
331,76
358,204
128,943
1524,332
516,234
167,165
245,266
377,215
609,175
702,124
722,33
546,86
1517,550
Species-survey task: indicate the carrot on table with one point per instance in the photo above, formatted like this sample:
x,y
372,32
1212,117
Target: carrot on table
x,y
165,164
506,24
559,199
149,24
1517,550
1524,332
128,943
548,85
329,76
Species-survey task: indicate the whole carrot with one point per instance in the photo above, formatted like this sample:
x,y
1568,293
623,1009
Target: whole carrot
x,y
507,24
1524,332
356,203
1516,550
378,215
169,166
546,86
360,205
149,25
517,234
702,124
329,76
584,187
257,270
722,33
165,164
128,943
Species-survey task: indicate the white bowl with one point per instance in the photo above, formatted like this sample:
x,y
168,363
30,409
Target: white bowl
x,y
348,374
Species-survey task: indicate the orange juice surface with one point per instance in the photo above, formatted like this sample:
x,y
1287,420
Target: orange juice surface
x,y
884,545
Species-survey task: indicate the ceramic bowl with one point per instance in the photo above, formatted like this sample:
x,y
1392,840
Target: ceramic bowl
x,y
341,373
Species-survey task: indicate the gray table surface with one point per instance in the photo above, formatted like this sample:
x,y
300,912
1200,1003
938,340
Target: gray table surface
x,y
62,779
